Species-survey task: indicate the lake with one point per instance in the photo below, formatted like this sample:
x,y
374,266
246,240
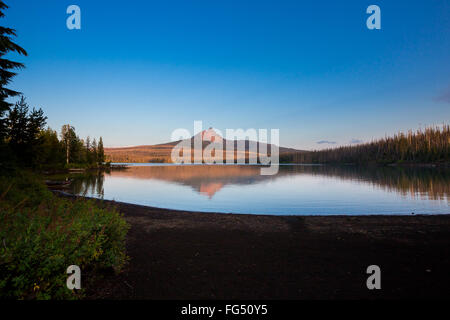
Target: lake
x,y
295,190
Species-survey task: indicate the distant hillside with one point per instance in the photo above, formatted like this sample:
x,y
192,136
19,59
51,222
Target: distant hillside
x,y
161,153
428,146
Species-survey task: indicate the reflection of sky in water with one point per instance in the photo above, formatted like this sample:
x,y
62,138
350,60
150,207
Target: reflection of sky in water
x,y
290,192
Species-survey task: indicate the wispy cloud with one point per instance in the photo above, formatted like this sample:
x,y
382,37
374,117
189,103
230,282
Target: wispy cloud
x,y
326,142
444,96
356,141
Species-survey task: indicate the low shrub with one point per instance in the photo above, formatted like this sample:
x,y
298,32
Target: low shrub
x,y
39,241
23,187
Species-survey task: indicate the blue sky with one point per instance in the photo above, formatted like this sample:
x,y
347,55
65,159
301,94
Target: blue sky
x,y
140,69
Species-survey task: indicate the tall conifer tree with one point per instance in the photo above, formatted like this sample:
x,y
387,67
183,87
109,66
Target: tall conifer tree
x,y
7,68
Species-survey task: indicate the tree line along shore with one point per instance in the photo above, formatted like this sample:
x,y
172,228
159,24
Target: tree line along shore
x,y
424,146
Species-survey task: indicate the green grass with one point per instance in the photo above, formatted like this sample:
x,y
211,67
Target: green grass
x,y
41,235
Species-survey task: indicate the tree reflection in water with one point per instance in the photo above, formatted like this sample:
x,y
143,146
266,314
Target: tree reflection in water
x,y
433,183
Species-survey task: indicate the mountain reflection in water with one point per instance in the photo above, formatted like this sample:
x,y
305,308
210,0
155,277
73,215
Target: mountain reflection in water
x,y
289,186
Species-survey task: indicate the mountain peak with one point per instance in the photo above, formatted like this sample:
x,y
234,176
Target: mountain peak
x,y
210,135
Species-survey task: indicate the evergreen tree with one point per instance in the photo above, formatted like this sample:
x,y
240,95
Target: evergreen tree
x,y
94,150
88,150
100,151
17,124
23,132
6,69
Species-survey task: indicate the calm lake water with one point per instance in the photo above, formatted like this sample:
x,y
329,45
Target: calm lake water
x,y
295,190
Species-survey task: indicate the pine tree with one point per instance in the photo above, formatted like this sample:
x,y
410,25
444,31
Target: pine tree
x,y
23,132
100,151
88,150
94,150
6,67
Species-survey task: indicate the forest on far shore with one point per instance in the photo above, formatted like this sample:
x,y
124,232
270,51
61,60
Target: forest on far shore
x,y
428,146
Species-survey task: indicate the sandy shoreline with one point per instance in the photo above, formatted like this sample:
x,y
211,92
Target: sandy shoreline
x,y
191,255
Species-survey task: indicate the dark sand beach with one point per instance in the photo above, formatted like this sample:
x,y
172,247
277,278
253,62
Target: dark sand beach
x,y
191,255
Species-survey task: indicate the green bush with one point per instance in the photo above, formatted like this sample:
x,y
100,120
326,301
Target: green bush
x,y
39,242
23,187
